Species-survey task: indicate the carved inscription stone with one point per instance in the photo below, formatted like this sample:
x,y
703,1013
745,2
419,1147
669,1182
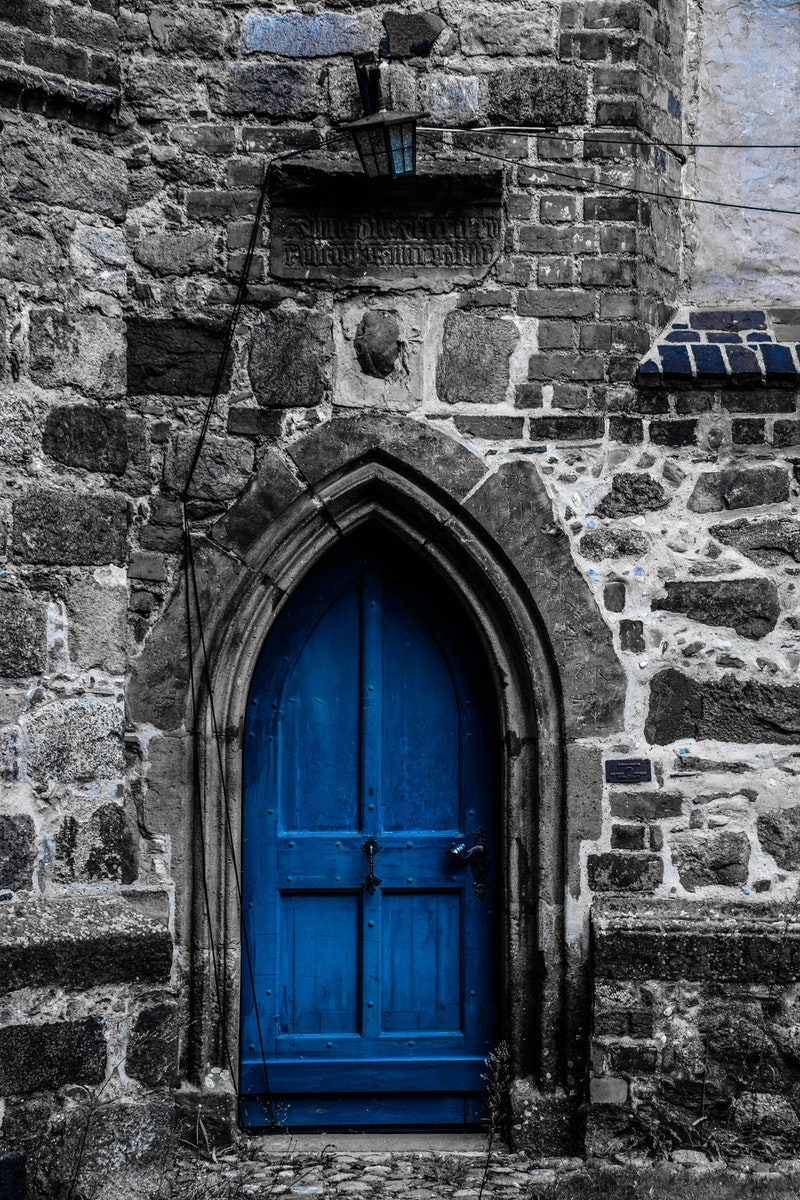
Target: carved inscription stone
x,y
331,224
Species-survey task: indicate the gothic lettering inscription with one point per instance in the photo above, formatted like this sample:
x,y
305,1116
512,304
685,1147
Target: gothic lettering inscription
x,y
368,248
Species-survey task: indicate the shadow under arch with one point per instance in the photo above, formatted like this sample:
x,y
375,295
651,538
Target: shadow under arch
x,y
520,598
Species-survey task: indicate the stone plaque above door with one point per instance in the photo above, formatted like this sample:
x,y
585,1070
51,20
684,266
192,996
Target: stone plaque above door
x,y
331,224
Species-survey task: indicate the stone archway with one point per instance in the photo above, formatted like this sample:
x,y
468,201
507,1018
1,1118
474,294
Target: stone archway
x,y
492,536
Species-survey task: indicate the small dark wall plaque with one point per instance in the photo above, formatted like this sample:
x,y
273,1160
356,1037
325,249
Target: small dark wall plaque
x,y
628,770
330,224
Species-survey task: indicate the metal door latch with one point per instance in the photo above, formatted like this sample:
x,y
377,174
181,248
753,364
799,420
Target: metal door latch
x,y
478,858
371,848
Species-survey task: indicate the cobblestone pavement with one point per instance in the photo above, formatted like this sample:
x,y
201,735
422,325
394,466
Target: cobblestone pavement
x,y
422,1175
265,1172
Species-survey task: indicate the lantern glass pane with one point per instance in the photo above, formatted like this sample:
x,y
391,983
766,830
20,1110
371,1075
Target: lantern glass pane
x,y
401,148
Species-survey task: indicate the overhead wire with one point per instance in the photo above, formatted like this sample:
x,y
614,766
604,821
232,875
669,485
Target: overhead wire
x,y
627,188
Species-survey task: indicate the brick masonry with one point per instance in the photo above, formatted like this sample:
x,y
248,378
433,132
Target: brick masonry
x,y
127,198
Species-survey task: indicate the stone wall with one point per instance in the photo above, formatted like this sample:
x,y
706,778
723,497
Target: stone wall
x,y
673,507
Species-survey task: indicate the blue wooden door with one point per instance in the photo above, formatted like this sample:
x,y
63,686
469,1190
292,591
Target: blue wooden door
x,y
371,753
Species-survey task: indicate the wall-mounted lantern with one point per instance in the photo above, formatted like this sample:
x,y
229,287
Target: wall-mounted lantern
x,y
386,141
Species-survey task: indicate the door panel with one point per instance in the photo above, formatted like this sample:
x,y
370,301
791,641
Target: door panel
x,y
370,720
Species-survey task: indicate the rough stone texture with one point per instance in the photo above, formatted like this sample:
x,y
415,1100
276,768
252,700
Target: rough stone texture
x,y
80,942
94,438
40,1057
703,860
726,709
739,488
770,543
63,527
74,740
289,358
222,470
632,494
152,1055
23,649
474,362
411,35
750,606
304,36
174,357
176,253
97,609
537,96
17,852
86,352
779,834
613,543
509,33
670,939
284,91
625,872
56,171
104,849
377,343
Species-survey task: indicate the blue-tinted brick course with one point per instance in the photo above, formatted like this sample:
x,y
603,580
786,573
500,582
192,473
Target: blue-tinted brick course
x,y
778,360
728,319
714,352
298,36
675,360
743,361
709,360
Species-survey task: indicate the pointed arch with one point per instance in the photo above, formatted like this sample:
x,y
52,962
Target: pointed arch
x,y
491,538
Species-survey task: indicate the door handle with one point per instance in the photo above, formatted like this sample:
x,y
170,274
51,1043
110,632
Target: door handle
x,y
372,882
478,858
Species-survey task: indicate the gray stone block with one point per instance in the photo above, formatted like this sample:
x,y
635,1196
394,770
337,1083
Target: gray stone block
x,y
475,362
297,35
152,1055
76,739
23,631
97,624
83,436
289,357
223,468
706,859
411,35
726,710
175,357
750,606
770,543
176,253
104,848
80,942
271,91
632,494
547,96
84,350
519,32
779,834
66,527
43,1057
739,488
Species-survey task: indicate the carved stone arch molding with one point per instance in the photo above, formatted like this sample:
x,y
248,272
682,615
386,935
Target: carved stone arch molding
x,y
492,536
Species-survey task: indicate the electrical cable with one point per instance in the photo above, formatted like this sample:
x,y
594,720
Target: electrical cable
x,y
554,133
228,825
198,803
629,189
